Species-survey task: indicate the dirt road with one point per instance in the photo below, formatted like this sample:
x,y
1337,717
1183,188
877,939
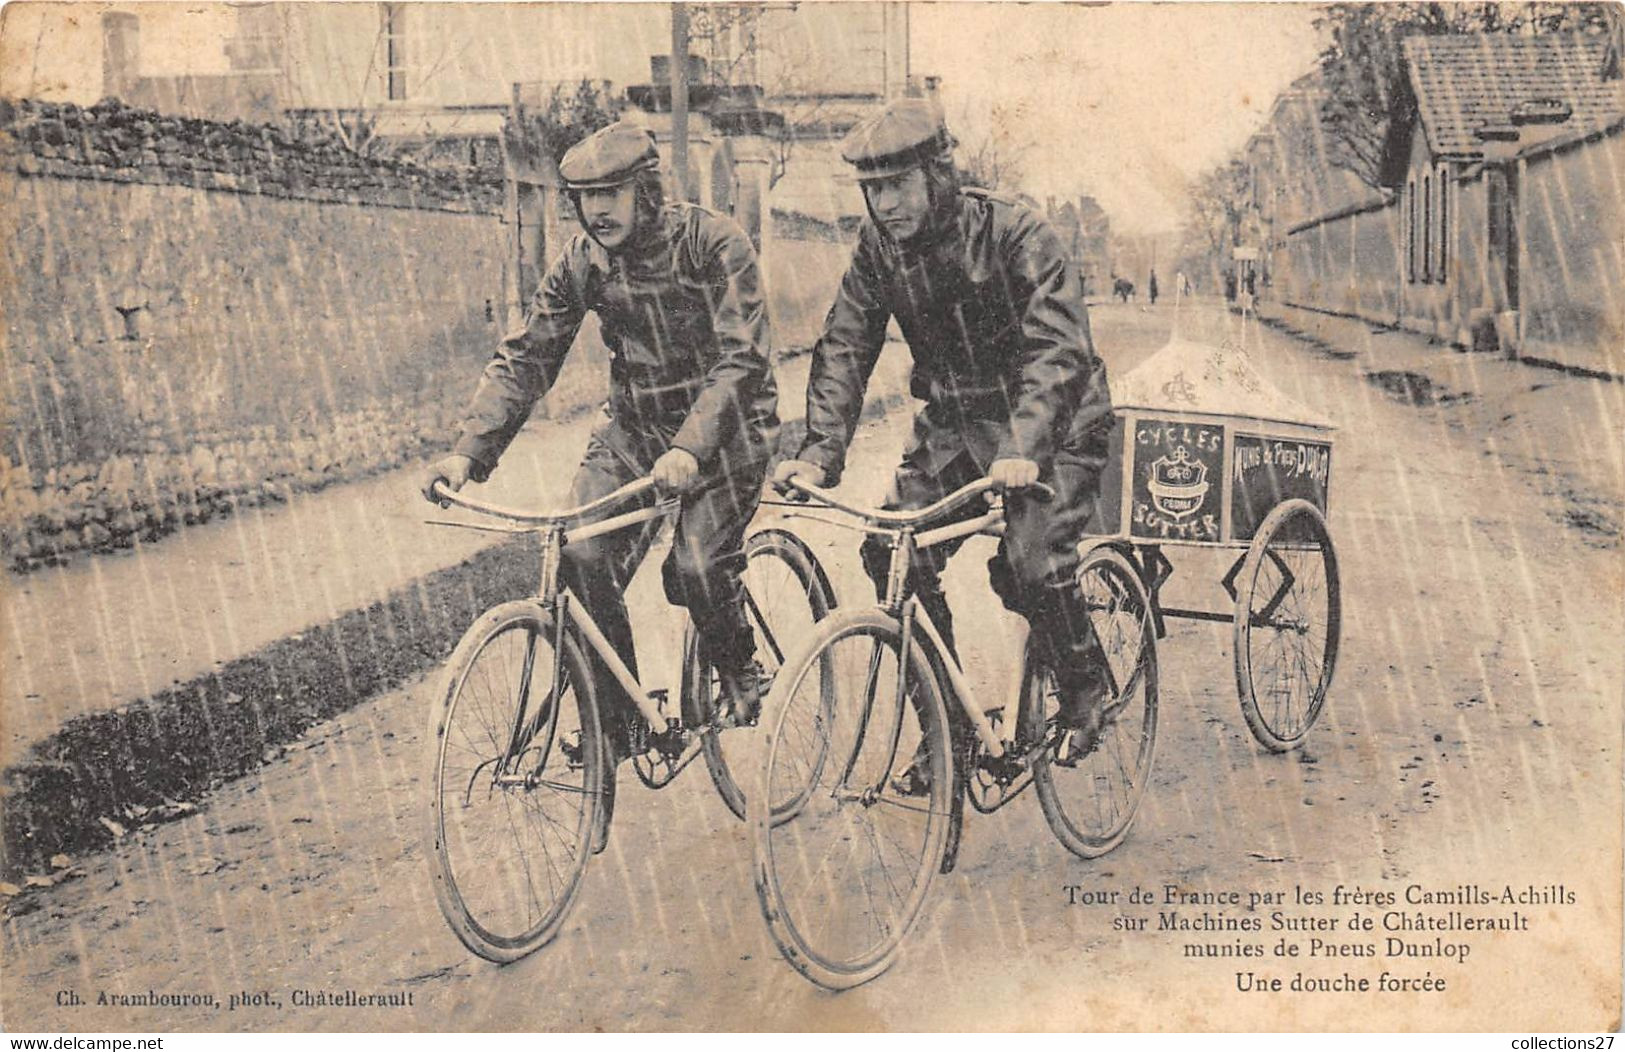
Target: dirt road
x,y
1473,737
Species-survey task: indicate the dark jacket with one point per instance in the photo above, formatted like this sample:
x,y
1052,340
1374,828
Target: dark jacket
x,y
682,313
994,317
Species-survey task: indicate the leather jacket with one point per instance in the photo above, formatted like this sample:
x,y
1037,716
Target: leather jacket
x,y
994,317
683,315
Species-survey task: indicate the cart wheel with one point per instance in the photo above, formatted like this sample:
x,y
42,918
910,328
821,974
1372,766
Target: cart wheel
x,y
1288,615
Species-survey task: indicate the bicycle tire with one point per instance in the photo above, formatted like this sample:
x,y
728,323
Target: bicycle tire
x,y
773,645
1091,802
480,906
1293,532
863,748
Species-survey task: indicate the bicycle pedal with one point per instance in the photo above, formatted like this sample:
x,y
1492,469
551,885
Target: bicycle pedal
x,y
570,747
910,781
669,742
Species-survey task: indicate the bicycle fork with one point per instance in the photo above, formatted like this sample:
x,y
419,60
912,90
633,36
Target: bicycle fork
x,y
526,725
909,612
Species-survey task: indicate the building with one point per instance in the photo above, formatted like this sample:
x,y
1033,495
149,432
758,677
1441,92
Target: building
x,y
245,83
1497,222
1510,205
773,87
1085,232
446,73
1290,181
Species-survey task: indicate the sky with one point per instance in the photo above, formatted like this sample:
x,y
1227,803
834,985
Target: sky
x,y
1126,102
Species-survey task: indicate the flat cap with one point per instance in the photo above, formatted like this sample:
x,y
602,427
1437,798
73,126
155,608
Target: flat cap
x,y
609,156
903,135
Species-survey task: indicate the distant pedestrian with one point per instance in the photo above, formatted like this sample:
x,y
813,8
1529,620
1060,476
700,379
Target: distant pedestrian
x,y
1182,283
1151,287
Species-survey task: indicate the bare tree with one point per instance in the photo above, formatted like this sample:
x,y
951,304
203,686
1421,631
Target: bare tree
x,y
791,76
1218,201
356,126
570,113
991,152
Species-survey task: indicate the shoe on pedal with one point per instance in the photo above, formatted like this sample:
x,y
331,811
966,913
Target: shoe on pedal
x,y
913,780
741,693
1081,720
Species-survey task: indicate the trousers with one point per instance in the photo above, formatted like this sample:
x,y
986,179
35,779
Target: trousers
x,y
701,573
1034,570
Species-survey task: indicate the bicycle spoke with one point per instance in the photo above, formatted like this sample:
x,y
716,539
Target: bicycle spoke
x,y
1285,647
850,869
1090,792
512,821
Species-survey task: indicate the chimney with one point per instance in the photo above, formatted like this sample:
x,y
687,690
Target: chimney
x,y
121,54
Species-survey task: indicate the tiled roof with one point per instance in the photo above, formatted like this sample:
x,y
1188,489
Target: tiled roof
x,y
1467,81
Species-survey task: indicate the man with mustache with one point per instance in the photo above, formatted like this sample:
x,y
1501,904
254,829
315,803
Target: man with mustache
x,y
994,318
692,399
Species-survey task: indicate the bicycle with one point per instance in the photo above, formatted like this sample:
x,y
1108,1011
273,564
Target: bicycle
x,y
521,790
843,882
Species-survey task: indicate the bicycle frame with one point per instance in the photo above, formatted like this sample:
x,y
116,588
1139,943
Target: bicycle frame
x,y
565,527
900,530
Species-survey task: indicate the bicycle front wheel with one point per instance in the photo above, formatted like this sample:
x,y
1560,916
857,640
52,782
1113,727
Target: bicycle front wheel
x,y
515,780
1091,791
786,594
845,878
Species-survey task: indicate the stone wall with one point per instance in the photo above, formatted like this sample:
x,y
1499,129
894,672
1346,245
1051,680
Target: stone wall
x,y
199,315
1573,270
1348,264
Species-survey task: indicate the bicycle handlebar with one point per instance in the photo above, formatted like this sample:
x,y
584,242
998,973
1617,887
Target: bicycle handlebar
x,y
566,517
913,517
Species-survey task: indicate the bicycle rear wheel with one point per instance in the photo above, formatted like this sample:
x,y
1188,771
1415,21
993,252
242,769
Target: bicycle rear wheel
x,y
516,775
786,594
1090,796
845,878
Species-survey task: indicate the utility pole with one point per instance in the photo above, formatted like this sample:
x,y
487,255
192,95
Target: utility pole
x,y
679,100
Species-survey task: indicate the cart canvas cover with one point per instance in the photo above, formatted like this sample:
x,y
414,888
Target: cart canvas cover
x,y
1202,378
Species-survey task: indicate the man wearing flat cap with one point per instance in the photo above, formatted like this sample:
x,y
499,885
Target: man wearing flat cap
x,y
692,400
994,318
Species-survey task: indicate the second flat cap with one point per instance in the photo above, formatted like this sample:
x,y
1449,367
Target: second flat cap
x,y
901,136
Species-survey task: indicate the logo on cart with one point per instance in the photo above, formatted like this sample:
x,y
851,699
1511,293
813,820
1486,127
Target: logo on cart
x,y
1179,389
1178,484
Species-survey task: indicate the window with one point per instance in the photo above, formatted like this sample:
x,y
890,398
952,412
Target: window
x,y
1444,222
1427,228
395,51
1410,231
